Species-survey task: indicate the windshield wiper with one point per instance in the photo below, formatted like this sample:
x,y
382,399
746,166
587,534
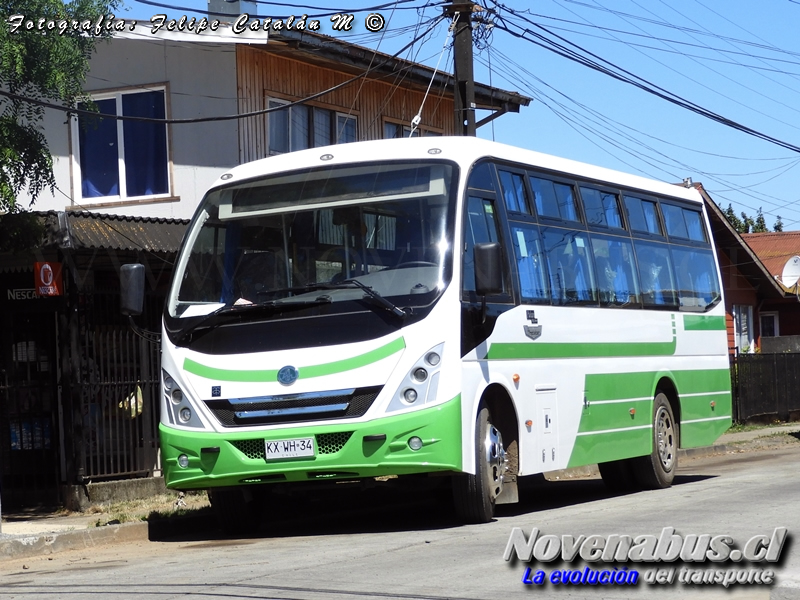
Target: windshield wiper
x,y
380,300
238,309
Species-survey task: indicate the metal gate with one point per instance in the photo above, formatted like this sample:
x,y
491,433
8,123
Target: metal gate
x,y
118,386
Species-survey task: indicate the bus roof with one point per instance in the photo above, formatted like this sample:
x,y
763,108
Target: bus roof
x,y
462,150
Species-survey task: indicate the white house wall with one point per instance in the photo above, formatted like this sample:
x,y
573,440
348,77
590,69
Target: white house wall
x,y
201,82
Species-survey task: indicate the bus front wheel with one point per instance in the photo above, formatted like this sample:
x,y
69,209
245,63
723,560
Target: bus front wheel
x,y
657,470
474,495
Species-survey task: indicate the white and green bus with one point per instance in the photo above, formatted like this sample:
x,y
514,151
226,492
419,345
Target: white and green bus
x,y
441,306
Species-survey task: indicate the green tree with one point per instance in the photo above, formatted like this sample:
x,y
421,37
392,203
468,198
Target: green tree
x,y
45,65
747,224
760,225
735,221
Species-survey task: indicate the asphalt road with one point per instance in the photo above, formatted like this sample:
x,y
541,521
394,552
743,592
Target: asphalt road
x,y
384,544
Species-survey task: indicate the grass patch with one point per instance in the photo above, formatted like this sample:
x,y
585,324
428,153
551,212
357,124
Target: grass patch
x,y
740,427
163,506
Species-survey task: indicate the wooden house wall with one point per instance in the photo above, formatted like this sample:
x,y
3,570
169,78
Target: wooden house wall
x,y
262,74
737,290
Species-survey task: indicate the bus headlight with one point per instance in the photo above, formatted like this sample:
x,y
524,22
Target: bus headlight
x,y
410,395
432,358
176,407
420,383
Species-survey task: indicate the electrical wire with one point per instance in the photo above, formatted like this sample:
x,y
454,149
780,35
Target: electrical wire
x,y
574,52
512,70
79,111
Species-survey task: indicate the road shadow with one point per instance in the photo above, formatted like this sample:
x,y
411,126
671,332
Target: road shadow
x,y
380,509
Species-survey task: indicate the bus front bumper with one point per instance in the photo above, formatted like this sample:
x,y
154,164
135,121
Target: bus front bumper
x,y
341,451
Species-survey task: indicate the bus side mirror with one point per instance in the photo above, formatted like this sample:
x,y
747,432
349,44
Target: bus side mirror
x,y
488,269
131,286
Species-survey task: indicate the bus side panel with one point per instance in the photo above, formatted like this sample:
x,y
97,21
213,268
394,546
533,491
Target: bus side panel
x,y
706,403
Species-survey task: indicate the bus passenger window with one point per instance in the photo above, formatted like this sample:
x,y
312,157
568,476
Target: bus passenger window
x,y
655,274
569,265
480,228
698,285
673,218
601,208
514,192
529,263
617,284
694,225
554,199
643,215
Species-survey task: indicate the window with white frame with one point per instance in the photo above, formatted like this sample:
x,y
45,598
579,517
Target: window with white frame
x,y
392,129
301,126
121,159
743,328
769,324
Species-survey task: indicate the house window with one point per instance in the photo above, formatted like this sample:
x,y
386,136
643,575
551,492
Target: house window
x,y
399,130
769,324
122,159
743,328
300,126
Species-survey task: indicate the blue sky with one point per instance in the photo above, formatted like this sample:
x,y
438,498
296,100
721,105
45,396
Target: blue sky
x,y
739,60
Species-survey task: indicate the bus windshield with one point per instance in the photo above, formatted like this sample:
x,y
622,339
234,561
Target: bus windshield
x,y
347,237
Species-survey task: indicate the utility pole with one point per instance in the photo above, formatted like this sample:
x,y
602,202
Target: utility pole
x,y
464,91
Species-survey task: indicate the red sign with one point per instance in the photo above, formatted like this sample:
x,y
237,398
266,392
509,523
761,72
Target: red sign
x,y
48,278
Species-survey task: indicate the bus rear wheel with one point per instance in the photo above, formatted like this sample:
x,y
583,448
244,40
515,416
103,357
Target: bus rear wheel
x,y
657,470
474,495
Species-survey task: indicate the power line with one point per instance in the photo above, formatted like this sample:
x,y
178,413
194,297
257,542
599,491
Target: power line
x,y
563,47
90,113
579,123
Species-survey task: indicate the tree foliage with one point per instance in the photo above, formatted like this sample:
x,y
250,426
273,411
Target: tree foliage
x,y
43,65
748,224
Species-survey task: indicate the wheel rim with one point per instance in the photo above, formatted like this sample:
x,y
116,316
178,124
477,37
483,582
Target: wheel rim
x,y
665,438
495,459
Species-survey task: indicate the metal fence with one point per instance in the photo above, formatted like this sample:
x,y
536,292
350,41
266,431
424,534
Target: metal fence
x,y
765,385
119,387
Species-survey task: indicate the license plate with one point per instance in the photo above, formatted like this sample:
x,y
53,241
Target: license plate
x,y
298,447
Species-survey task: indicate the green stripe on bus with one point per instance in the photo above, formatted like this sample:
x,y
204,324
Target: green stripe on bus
x,y
270,375
703,323
611,445
499,351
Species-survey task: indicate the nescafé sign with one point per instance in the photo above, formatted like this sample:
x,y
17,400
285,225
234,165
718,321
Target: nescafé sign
x,y
48,280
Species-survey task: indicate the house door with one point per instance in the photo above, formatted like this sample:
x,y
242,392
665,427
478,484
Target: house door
x,y
29,472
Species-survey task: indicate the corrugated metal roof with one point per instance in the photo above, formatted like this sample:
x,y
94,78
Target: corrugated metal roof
x,y
774,249
87,230
93,230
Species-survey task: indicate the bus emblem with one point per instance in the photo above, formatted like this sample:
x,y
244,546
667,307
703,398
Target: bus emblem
x,y
287,375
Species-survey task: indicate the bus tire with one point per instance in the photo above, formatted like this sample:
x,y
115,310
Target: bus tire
x,y
618,475
657,470
474,495
232,510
